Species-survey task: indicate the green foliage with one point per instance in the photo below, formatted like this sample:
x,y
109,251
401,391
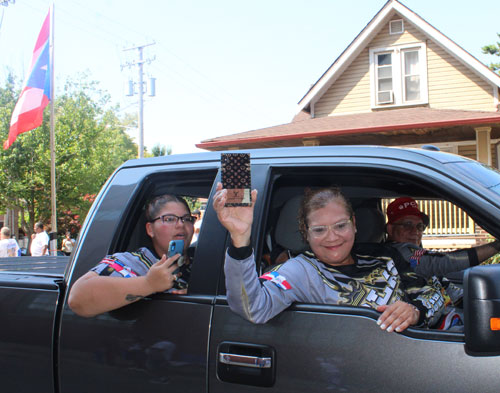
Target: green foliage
x,y
193,203
493,49
160,150
493,260
89,147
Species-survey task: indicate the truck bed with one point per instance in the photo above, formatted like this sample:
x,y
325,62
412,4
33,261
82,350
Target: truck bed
x,y
52,265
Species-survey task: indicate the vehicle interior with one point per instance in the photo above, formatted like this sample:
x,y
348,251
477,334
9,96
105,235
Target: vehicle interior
x,y
366,189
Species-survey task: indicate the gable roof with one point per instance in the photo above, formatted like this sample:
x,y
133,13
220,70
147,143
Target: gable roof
x,y
390,8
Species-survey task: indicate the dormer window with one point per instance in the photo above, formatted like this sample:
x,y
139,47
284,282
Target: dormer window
x,y
398,75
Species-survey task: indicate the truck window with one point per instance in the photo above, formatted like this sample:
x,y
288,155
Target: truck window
x,y
193,186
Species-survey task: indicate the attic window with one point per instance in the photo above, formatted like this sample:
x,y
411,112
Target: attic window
x,y
396,26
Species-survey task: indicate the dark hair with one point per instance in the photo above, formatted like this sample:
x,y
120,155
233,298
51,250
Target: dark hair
x,y
317,199
39,225
154,206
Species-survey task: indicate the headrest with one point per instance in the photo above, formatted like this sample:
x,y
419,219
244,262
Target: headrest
x,y
370,225
287,232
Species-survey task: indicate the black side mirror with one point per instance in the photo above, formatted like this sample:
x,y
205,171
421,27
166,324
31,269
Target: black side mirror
x,y
482,310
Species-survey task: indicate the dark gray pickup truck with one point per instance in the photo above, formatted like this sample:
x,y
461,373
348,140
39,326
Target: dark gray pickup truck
x,y
194,343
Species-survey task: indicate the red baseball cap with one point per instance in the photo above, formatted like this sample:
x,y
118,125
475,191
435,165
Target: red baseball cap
x,y
402,207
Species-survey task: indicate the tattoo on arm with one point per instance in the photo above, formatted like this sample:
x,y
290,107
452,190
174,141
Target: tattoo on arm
x,y
133,298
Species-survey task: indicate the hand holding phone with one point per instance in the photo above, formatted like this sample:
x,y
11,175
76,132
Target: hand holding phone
x,y
183,270
235,168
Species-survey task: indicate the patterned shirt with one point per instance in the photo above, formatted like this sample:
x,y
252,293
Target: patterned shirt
x,y
369,282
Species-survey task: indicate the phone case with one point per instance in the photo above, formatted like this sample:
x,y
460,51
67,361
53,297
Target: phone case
x,y
236,178
175,247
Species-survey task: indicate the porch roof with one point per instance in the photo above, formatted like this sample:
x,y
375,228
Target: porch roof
x,y
389,127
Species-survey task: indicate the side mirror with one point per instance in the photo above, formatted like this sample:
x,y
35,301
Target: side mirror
x,y
482,310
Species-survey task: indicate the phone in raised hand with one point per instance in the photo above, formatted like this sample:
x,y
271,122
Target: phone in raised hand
x,y
235,173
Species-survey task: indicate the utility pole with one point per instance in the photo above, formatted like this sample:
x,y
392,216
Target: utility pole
x,y
140,62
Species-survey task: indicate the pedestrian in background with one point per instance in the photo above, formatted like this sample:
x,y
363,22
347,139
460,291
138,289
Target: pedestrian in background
x,y
39,241
197,225
8,246
68,244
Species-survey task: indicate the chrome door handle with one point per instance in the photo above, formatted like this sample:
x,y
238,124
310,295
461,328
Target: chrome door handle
x,y
245,361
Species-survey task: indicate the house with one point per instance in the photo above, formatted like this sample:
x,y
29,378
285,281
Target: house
x,y
400,82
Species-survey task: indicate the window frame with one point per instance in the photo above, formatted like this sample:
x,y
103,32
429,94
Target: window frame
x,y
398,75
393,23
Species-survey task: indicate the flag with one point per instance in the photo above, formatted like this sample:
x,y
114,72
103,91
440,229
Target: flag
x,y
35,95
276,278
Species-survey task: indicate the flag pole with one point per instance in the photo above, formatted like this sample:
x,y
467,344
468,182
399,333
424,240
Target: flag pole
x,y
53,234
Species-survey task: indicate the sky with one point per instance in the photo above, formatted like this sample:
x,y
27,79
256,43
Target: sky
x,y
221,66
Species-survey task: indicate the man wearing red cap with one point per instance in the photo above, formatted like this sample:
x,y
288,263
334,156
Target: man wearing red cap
x,y
405,227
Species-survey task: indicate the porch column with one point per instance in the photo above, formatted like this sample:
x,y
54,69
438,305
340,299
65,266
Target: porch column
x,y
483,145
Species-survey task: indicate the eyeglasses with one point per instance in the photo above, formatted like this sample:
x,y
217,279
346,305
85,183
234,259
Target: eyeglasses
x,y
408,226
172,219
339,228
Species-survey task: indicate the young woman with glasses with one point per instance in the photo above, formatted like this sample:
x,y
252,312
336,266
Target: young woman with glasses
x,y
147,270
331,274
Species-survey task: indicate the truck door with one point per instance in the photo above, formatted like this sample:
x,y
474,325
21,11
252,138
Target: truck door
x,y
159,343
322,348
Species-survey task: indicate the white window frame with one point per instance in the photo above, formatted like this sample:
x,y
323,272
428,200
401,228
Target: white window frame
x,y
393,24
398,84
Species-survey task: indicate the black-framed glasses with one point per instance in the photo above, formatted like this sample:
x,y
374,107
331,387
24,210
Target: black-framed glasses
x,y
172,219
408,226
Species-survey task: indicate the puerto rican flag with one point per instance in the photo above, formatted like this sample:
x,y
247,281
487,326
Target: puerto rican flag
x,y
28,113
277,279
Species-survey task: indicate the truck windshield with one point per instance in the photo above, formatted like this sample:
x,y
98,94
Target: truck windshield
x,y
481,173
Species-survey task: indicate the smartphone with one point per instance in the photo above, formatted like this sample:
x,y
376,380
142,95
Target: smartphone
x,y
176,247
235,168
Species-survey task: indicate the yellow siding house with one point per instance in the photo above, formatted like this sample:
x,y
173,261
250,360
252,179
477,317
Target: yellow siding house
x,y
400,82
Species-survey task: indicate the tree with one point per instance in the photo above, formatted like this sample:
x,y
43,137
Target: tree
x,y
89,147
160,150
493,49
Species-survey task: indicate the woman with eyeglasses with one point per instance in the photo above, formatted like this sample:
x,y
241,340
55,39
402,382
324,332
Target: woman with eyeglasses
x,y
331,274
126,277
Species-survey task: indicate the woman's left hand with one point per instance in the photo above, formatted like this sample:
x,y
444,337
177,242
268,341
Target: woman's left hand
x,y
397,316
